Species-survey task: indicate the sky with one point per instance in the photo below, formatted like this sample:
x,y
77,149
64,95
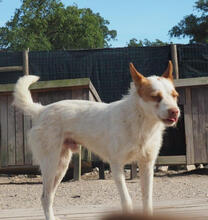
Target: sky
x,y
140,19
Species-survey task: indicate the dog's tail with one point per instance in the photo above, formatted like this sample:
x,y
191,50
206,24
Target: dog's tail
x,y
22,96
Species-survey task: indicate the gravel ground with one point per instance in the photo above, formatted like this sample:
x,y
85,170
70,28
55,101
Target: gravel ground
x,y
25,191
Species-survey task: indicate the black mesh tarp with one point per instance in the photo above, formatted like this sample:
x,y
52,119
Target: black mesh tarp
x,y
193,60
10,59
108,69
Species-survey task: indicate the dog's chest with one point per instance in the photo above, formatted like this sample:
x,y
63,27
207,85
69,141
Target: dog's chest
x,y
146,146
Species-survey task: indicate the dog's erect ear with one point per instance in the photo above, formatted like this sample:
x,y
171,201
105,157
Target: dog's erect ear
x,y
169,71
137,77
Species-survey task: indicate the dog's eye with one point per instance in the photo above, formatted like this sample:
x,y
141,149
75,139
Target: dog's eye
x,y
174,94
156,97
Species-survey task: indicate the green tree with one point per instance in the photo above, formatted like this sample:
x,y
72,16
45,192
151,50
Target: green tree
x,y
194,26
48,25
141,43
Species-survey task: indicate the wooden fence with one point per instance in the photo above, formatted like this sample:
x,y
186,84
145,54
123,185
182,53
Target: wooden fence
x,y
14,150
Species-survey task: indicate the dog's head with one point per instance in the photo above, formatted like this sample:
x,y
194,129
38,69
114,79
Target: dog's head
x,y
158,95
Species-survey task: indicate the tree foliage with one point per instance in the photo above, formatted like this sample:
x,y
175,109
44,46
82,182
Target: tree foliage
x,y
194,26
141,43
48,25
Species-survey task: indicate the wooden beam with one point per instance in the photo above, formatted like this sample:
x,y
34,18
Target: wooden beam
x,y
18,169
171,160
77,165
190,82
133,171
25,62
52,84
101,170
11,68
4,130
174,58
94,93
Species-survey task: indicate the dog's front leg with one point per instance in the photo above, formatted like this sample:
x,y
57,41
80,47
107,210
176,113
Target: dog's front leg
x,y
146,176
118,175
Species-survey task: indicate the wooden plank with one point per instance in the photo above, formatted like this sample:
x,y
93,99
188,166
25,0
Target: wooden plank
x,y
19,138
171,160
28,154
202,106
25,62
4,129
189,82
77,165
85,93
191,209
189,127
182,96
195,119
11,132
199,120
11,68
101,170
91,97
35,99
86,154
17,169
77,94
174,58
59,95
94,93
206,118
45,98
52,84
133,171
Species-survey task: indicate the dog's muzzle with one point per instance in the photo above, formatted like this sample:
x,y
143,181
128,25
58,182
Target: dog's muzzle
x,y
173,115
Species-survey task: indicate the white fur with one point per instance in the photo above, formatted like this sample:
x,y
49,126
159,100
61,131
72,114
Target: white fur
x,y
120,132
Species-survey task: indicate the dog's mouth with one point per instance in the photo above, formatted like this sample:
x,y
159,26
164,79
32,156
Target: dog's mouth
x,y
170,121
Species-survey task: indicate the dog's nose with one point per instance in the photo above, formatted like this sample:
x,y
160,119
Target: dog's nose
x,y
173,112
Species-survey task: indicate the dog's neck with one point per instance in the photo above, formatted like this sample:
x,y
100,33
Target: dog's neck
x,y
137,114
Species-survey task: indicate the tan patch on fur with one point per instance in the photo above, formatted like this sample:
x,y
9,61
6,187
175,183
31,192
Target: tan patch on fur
x,y
168,74
70,143
147,93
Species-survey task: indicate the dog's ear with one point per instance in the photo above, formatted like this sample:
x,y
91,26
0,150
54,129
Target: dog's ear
x,y
169,71
137,77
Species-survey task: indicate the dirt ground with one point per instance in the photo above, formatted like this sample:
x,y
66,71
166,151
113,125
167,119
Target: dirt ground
x,y
24,191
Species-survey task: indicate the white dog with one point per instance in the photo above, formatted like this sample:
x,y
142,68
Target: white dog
x,y
120,132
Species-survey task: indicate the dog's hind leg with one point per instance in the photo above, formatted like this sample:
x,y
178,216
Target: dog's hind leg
x,y
146,175
118,175
65,158
53,169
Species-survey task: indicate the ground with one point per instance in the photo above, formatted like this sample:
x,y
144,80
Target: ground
x,y
24,191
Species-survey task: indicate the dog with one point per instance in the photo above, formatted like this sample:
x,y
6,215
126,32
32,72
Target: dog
x,y
121,132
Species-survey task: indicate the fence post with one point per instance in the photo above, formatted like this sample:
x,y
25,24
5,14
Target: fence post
x,y
25,61
133,171
101,170
174,58
77,164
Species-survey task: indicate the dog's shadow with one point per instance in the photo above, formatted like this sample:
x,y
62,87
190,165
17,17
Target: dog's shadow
x,y
200,171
